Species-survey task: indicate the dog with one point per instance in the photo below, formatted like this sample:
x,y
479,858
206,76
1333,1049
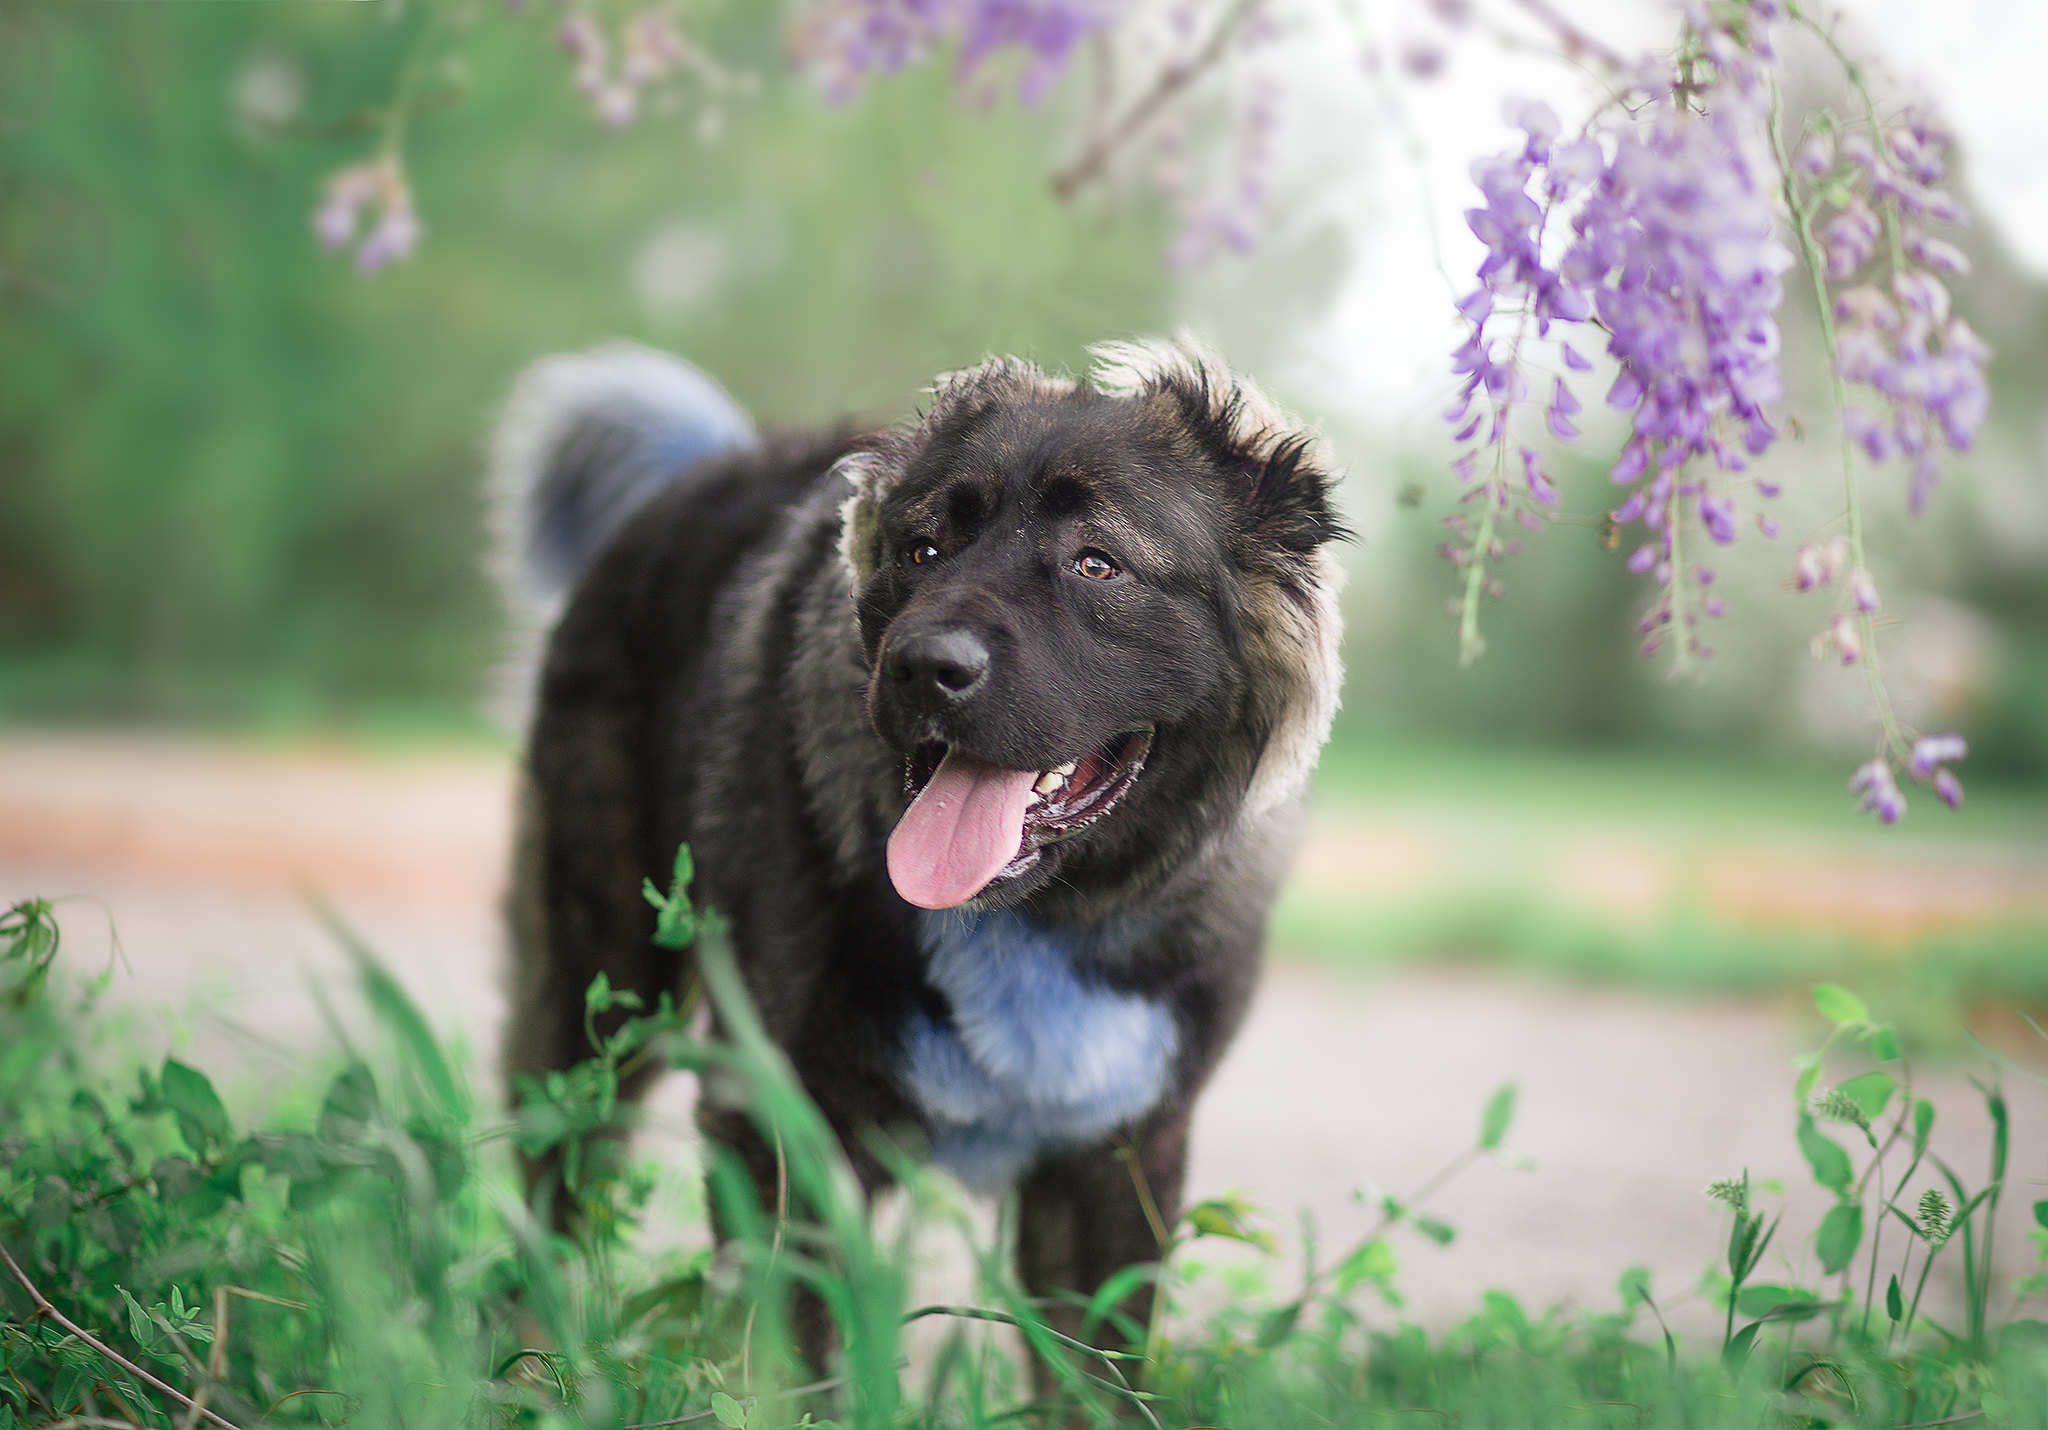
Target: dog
x,y
989,732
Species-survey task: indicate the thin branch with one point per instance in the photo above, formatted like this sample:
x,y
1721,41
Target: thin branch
x,y
1577,43
43,1305
1173,78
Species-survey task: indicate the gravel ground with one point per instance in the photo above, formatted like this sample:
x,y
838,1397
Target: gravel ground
x,y
205,855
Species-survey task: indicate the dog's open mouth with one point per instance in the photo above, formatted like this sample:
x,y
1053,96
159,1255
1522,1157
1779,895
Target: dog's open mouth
x,y
971,823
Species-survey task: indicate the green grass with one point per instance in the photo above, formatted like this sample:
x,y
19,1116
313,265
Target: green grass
x,y
361,1255
1496,814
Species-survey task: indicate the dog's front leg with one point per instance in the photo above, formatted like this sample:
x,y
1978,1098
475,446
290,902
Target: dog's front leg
x,y
1084,1215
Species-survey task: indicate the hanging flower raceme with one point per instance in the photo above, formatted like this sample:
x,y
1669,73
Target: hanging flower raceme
x,y
1520,297
377,189
1673,244
844,43
615,79
1679,244
1896,336
1664,226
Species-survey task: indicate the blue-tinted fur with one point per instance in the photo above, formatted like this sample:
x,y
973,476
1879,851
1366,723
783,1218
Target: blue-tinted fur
x,y
1038,1054
577,510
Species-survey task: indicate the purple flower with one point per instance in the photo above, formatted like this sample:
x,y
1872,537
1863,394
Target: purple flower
x,y
377,184
847,42
1925,365
1717,514
1849,239
1816,156
349,192
1879,789
1846,640
1932,751
1867,432
1948,788
394,238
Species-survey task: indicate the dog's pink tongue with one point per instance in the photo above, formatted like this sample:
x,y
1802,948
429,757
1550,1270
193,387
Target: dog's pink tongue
x,y
966,825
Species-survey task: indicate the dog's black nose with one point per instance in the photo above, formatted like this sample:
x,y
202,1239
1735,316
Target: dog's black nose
x,y
938,668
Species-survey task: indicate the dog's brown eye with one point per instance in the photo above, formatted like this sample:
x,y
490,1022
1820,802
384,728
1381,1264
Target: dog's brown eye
x,y
919,555
1095,566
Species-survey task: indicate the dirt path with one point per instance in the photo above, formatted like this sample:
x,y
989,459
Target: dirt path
x,y
1629,1105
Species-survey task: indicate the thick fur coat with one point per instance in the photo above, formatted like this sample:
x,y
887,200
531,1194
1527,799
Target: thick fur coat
x,y
989,735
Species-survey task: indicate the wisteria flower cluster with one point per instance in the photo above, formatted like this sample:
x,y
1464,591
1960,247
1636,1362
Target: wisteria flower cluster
x,y
614,80
1896,336
847,42
378,188
1673,248
1661,229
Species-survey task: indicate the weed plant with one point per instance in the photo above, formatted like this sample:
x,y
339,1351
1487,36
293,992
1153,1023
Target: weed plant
x,y
370,1261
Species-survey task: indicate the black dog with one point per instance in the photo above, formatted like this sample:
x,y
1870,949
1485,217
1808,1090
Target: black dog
x,y
988,734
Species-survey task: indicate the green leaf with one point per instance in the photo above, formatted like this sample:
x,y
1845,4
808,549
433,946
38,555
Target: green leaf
x,y
1871,1092
1768,1302
675,921
1499,1116
1279,1325
397,1012
1765,1297
1838,1005
191,1098
1110,1294
1504,1310
1830,1164
2001,1131
350,1106
1894,1304
598,996
1923,1126
728,1411
139,1325
1370,1261
1226,1217
1884,1043
2041,1214
1736,1353
1808,1067
1841,1232
1742,1236
1635,1285
1442,1233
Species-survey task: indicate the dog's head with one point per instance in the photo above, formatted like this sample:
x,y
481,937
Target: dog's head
x,y
1095,615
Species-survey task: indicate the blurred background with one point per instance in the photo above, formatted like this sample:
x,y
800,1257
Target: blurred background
x,y
248,652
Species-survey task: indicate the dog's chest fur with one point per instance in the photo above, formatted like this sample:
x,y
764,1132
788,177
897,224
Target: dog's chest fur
x,y
1038,1054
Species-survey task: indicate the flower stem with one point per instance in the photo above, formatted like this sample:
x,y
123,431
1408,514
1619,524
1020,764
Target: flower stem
x,y
1681,660
1816,269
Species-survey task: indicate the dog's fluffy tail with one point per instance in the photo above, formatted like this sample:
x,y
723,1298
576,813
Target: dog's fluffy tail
x,y
584,439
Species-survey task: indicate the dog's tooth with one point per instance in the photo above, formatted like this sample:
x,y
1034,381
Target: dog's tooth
x,y
1066,771
1051,782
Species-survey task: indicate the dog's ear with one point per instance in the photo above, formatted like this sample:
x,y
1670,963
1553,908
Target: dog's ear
x,y
881,459
869,474
1275,470
1275,474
